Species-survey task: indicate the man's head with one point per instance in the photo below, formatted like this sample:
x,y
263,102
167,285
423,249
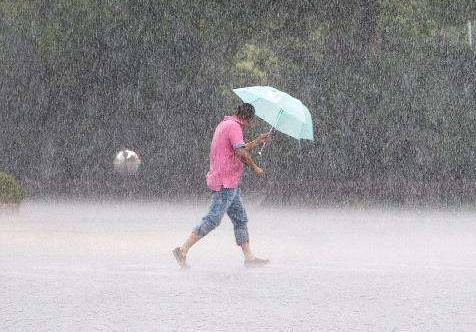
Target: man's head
x,y
245,112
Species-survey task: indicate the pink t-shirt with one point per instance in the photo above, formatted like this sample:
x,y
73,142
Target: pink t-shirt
x,y
225,167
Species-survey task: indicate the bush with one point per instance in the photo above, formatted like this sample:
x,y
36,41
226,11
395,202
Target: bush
x,y
10,190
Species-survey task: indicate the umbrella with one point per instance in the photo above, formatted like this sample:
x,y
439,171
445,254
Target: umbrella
x,y
283,112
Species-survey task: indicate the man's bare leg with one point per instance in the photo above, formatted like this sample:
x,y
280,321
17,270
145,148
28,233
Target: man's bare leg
x,y
250,259
245,247
192,239
180,253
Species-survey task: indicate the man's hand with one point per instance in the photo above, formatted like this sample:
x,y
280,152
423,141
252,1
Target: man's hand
x,y
263,138
258,171
245,157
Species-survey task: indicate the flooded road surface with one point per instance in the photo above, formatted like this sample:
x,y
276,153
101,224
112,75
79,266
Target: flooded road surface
x,y
107,266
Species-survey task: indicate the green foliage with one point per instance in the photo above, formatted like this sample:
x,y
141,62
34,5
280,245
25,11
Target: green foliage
x,y
10,190
390,85
453,12
408,19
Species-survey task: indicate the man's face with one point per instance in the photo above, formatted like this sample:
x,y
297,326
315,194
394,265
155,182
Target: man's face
x,y
247,122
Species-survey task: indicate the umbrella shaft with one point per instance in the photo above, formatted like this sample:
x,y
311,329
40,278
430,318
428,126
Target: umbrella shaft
x,y
269,132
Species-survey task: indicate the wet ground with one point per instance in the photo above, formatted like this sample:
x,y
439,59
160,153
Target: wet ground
x,y
107,266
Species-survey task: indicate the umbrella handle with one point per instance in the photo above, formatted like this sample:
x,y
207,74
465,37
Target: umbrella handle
x,y
269,132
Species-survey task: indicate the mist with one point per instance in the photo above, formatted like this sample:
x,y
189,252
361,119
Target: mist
x,y
108,266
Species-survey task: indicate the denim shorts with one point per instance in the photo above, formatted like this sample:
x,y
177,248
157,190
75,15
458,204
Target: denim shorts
x,y
226,200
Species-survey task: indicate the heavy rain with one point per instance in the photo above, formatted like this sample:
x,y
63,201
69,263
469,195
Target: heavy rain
x,y
115,214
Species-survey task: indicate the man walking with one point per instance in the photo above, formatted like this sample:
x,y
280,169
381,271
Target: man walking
x,y
228,153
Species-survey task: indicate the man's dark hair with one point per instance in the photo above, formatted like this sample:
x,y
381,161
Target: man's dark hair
x,y
245,111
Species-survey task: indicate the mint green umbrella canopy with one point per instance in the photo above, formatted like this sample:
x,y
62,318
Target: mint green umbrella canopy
x,y
280,110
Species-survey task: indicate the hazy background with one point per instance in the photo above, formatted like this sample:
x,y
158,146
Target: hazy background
x,y
390,85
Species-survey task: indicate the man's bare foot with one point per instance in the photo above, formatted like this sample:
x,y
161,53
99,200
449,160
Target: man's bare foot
x,y
180,257
256,262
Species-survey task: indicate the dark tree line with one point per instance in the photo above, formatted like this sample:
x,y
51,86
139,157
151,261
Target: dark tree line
x,y
390,84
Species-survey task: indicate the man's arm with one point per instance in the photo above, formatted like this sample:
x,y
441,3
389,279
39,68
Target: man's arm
x,y
245,157
263,138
